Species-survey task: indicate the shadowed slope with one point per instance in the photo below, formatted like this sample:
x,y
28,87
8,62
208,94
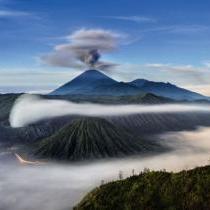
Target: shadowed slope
x,y
6,103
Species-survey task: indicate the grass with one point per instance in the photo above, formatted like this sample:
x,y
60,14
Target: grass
x,y
186,190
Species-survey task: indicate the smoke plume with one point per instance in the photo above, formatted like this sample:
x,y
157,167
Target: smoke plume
x,y
84,49
30,109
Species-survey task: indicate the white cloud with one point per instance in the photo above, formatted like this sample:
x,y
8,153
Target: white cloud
x,y
171,67
135,18
13,13
156,65
207,63
36,80
178,29
30,109
184,74
203,89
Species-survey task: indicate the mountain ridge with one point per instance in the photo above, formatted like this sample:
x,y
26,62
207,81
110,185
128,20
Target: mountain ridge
x,y
94,82
166,89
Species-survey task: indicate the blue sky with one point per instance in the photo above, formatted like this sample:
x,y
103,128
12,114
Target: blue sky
x,y
165,40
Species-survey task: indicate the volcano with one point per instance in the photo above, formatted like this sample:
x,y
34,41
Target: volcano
x,y
90,138
96,83
93,82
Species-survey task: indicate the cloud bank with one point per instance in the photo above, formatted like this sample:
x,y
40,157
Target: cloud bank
x,y
30,109
84,49
60,186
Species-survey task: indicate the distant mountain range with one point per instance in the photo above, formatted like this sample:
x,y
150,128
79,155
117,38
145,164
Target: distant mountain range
x,y
96,83
166,90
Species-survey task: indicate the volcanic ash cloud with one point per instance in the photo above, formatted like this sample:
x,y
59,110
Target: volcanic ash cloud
x,y
84,49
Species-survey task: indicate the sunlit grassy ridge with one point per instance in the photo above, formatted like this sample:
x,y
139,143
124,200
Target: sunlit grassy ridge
x,y
186,190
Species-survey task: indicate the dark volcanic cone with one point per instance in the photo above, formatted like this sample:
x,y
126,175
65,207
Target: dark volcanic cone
x,y
89,138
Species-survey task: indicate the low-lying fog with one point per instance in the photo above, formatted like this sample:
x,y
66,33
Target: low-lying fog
x,y
31,108
59,186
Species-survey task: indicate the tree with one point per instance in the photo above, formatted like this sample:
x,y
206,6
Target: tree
x,y
120,175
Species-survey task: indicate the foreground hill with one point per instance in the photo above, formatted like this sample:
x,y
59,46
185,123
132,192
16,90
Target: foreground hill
x,y
89,138
186,190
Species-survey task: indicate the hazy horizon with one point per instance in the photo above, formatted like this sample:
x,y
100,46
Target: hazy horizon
x,y
47,89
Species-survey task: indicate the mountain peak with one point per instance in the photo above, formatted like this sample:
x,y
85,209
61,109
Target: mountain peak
x,y
85,83
93,74
93,71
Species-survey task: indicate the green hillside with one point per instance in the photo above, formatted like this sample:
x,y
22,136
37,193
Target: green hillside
x,y
88,138
186,190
